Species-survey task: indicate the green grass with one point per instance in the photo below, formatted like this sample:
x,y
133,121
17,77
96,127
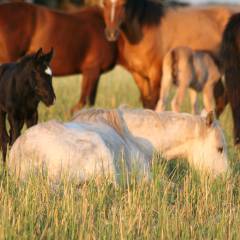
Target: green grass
x,y
176,204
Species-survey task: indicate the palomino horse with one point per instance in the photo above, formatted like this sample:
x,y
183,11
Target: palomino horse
x,y
81,150
196,70
198,139
147,31
78,40
230,56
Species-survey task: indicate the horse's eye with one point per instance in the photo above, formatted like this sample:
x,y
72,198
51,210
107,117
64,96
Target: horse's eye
x,y
220,149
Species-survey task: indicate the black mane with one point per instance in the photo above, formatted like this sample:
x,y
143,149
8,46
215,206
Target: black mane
x,y
147,12
140,13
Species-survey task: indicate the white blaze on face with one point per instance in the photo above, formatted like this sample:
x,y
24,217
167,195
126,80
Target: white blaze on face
x,y
113,9
48,71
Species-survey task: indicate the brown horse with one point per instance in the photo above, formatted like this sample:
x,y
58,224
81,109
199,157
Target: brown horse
x,y
230,56
147,30
78,39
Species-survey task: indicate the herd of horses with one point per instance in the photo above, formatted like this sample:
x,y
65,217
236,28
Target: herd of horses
x,y
139,35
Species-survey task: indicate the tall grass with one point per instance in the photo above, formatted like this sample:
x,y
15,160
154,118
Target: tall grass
x,y
176,204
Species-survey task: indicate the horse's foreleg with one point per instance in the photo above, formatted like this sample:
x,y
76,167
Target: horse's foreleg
x,y
89,85
178,98
4,135
93,91
194,101
143,86
32,119
16,125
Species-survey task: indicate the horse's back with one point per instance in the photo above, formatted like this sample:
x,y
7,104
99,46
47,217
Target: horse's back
x,y
17,25
186,21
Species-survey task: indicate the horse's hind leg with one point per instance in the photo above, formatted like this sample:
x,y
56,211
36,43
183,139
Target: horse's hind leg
x,y
194,101
208,99
4,135
90,77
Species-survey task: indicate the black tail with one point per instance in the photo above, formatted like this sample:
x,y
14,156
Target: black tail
x,y
230,61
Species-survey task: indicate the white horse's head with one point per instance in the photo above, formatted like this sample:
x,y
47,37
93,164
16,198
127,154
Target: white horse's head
x,y
209,151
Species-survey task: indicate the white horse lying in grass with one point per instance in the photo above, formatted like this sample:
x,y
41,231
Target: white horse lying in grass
x,y
196,70
198,139
97,143
81,150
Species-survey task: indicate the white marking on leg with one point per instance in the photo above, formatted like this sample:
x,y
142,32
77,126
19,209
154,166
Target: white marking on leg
x,y
48,71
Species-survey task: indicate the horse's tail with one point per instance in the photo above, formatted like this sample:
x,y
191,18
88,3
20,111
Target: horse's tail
x,y
230,61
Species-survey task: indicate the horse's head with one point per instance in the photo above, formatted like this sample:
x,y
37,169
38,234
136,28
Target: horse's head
x,y
114,14
41,77
209,151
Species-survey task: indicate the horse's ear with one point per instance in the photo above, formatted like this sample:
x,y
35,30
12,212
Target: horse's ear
x,y
210,118
48,56
38,53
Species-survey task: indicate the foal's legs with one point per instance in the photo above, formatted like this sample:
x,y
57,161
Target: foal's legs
x,y
164,90
208,99
194,101
178,98
16,125
4,135
89,85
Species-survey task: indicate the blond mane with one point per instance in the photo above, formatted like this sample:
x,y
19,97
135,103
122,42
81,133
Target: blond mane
x,y
112,118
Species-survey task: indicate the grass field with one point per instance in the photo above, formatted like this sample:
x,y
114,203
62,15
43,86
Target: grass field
x,y
175,205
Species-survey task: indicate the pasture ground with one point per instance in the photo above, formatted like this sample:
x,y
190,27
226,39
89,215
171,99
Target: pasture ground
x,y
175,205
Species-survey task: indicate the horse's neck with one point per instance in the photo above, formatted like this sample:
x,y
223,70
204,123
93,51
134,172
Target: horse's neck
x,y
168,134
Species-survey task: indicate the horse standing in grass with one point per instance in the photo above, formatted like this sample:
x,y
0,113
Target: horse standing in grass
x,y
78,39
83,150
146,30
23,85
197,70
198,139
230,58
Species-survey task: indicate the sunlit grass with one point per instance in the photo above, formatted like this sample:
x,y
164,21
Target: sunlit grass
x,y
176,204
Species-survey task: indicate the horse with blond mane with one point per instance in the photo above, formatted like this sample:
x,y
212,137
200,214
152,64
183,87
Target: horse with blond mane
x,y
197,71
146,30
97,142
198,139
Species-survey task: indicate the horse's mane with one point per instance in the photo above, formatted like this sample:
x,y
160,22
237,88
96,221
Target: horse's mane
x,y
112,118
147,12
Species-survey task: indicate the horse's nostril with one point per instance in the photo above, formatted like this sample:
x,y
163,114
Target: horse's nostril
x,y
111,35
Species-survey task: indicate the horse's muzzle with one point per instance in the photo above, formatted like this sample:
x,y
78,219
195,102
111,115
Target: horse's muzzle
x,y
111,34
49,100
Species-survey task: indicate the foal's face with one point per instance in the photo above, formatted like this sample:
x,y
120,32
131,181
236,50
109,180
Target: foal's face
x,y
43,78
114,14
